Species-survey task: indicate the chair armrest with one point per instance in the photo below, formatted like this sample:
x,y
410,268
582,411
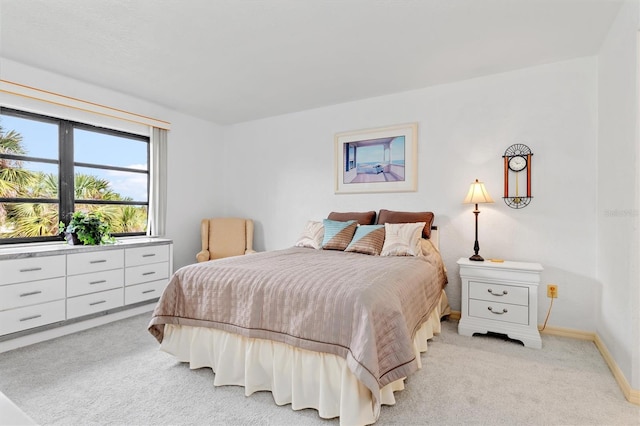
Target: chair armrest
x,y
203,256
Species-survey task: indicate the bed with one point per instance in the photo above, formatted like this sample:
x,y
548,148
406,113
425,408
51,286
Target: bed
x,y
320,324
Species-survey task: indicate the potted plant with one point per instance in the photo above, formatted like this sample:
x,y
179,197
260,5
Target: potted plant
x,y
86,229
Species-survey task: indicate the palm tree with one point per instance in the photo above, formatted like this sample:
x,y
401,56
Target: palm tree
x,y
40,219
12,175
13,178
34,220
130,219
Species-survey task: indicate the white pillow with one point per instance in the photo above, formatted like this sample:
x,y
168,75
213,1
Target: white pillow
x,y
402,239
312,235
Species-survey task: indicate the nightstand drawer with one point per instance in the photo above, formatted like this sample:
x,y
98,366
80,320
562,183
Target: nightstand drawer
x,y
78,285
499,311
96,302
499,293
31,293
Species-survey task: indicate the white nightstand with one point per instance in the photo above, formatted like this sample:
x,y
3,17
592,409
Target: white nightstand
x,y
502,298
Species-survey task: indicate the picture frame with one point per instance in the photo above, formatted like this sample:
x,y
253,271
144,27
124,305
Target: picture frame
x,y
382,159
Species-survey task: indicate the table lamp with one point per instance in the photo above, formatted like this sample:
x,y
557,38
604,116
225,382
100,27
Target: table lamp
x,y
477,194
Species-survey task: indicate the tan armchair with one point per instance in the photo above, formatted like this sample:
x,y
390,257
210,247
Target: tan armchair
x,y
225,237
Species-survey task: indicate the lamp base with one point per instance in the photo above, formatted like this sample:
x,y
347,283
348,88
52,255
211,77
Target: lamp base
x,y
477,258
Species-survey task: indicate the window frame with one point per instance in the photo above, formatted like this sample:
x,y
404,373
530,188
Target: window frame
x,y
66,178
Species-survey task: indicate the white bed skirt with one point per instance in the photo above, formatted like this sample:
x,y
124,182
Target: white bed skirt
x,y
302,378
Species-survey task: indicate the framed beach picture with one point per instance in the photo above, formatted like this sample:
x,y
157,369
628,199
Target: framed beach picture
x,y
377,160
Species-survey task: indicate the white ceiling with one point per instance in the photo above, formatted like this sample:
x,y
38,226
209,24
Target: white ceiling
x,y
229,61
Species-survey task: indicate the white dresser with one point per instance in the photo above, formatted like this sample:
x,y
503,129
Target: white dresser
x,y
500,297
32,292
50,285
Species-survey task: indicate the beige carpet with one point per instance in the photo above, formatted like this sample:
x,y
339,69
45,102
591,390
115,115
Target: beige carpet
x,y
115,375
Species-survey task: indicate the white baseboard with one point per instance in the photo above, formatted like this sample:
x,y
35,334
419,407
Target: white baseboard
x,y
632,395
63,330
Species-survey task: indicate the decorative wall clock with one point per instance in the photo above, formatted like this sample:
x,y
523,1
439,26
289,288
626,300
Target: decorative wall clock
x,y
517,176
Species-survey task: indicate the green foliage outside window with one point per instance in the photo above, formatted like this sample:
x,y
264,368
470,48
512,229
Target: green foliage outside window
x,y
35,218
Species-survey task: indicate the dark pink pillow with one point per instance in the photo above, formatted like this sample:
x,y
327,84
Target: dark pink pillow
x,y
363,218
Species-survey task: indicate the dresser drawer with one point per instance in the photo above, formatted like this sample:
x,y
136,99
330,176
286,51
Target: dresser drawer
x,y
145,255
94,261
96,302
78,285
141,292
15,320
31,293
31,269
500,293
146,273
499,311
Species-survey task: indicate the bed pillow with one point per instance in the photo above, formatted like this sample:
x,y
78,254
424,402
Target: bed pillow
x,y
368,239
390,216
402,239
338,235
312,235
363,218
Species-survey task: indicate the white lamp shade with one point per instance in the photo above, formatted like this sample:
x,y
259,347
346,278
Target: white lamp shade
x,y
477,194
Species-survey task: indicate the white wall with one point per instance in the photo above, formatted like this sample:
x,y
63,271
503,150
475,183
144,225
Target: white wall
x,y
281,173
194,152
618,197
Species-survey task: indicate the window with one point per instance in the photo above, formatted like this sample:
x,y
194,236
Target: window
x,y
50,168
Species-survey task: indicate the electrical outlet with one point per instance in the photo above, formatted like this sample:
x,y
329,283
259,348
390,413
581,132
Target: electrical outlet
x,y
552,291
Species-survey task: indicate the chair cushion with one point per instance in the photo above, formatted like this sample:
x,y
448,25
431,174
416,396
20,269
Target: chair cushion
x,y
227,237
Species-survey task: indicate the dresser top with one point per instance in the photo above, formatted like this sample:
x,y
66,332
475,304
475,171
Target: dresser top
x,y
506,265
22,251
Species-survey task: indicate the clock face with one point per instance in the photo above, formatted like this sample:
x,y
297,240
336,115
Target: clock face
x,y
517,163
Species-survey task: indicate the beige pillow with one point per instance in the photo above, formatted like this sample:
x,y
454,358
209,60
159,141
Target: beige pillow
x,y
402,239
311,236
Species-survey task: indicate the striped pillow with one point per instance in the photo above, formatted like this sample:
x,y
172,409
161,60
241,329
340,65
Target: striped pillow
x,y
368,239
402,239
337,235
312,235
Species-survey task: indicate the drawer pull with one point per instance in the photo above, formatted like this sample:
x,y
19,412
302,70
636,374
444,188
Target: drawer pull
x,y
31,269
97,261
148,255
504,311
30,318
504,292
97,282
148,273
31,293
97,303
148,291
